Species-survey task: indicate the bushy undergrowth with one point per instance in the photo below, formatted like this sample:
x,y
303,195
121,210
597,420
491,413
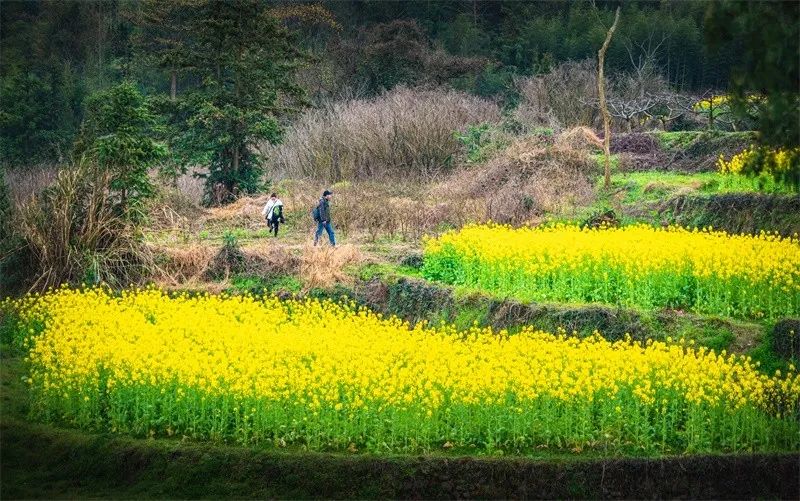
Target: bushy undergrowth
x,y
72,232
405,133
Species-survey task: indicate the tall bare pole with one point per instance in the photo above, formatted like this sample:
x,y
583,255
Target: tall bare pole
x,y
601,90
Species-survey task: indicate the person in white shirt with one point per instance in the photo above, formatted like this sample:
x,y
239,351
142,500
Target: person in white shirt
x,y
273,213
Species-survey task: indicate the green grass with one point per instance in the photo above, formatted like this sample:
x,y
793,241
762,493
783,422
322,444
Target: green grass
x,y
685,140
656,186
600,159
677,139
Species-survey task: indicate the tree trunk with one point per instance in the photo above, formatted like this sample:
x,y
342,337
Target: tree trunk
x,y
601,89
173,85
711,112
235,163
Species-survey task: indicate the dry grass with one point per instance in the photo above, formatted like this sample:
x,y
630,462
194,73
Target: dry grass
x,y
578,139
324,266
268,259
528,179
72,233
200,263
179,266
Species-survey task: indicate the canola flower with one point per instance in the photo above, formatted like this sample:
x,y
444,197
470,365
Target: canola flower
x,y
721,104
639,266
325,375
753,160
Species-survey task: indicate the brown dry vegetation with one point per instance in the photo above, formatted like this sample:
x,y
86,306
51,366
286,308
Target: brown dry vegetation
x,y
71,233
73,237
554,99
324,266
529,178
403,133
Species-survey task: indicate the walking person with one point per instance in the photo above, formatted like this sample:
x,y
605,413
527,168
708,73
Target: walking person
x,y
322,215
273,213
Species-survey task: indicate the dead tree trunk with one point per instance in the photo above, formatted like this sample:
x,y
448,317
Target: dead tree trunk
x,y
601,90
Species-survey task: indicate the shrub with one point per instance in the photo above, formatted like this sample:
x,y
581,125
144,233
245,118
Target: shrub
x,y
71,233
404,133
230,259
116,135
554,99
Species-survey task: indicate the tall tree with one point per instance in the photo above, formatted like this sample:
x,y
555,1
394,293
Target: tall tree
x,y
243,60
117,134
158,39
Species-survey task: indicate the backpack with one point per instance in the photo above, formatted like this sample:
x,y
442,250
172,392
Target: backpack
x,y
277,212
315,214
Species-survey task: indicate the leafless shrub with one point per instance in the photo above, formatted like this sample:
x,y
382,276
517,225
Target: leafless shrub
x,y
554,99
405,133
173,210
191,187
25,183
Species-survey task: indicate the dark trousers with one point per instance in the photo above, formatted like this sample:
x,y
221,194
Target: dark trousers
x,y
273,225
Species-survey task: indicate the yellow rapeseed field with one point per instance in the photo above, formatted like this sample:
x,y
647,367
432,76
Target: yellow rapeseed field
x,y
324,375
700,270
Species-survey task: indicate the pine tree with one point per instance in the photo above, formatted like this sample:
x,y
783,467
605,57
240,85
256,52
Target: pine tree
x,y
243,62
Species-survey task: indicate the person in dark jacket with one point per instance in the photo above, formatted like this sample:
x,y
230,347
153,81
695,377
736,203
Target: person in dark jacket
x,y
323,218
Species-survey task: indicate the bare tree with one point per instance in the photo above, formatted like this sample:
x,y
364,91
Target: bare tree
x,y
669,109
601,90
631,109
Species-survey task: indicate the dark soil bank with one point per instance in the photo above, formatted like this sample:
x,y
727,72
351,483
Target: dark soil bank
x,y
38,461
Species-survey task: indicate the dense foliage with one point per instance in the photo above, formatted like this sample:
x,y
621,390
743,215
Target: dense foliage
x,y
117,134
243,60
55,53
324,376
769,33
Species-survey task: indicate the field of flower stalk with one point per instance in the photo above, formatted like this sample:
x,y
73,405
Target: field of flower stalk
x,y
333,376
703,271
